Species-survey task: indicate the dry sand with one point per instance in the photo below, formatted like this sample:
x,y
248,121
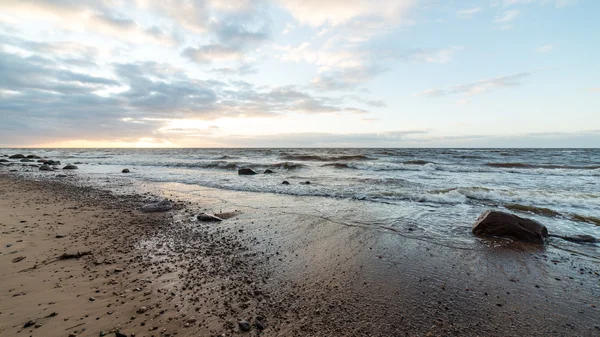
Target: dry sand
x,y
285,274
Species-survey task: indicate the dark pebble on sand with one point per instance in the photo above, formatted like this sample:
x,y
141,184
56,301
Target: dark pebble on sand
x,y
285,183
244,326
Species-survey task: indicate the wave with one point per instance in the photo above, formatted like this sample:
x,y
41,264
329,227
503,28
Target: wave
x,y
588,219
222,164
532,166
417,162
337,165
325,158
532,209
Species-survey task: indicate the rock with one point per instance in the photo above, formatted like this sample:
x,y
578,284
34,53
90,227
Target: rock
x,y
125,171
77,163
62,176
70,167
27,160
305,183
17,156
285,182
120,334
142,310
4,161
208,218
8,245
505,225
246,172
259,325
60,236
159,206
33,156
45,168
244,326
38,325
92,299
29,323
18,259
52,162
267,171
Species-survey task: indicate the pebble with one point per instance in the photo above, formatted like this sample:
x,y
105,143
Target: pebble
x,y
92,299
244,325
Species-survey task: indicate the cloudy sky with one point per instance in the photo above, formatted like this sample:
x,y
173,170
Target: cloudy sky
x,y
300,73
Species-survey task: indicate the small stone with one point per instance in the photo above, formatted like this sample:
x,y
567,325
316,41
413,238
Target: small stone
x,y
70,167
118,270
18,259
120,334
259,325
285,182
267,171
125,171
208,218
244,325
92,299
142,310
60,236
246,172
29,323
9,245
38,325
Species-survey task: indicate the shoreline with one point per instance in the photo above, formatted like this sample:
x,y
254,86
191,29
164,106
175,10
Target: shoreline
x,y
287,273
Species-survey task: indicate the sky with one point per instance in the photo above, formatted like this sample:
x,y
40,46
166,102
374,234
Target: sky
x,y
299,73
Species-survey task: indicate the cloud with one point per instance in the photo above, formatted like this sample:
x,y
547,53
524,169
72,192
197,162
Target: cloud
x,y
241,70
212,52
545,48
468,12
353,69
507,16
232,41
45,99
337,12
480,87
100,17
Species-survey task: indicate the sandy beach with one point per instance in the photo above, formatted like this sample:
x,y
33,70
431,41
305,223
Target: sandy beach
x,y
82,261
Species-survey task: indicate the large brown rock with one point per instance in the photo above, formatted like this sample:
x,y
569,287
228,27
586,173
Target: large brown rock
x,y
505,225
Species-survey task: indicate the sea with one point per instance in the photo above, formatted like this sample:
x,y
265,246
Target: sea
x,y
431,194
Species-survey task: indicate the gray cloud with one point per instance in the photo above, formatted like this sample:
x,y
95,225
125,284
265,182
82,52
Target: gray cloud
x,y
241,70
231,42
43,99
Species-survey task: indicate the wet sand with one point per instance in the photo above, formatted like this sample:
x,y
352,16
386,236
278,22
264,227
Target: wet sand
x,y
283,272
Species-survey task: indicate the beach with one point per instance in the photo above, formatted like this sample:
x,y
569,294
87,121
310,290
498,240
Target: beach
x,y
277,265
